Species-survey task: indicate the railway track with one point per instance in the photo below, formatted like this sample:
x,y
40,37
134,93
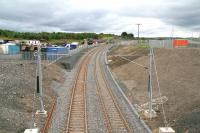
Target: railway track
x,y
77,119
113,116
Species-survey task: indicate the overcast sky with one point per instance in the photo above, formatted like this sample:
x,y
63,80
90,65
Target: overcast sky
x,y
158,17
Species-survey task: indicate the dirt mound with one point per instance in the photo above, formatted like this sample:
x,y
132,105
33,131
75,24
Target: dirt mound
x,y
129,52
17,87
179,74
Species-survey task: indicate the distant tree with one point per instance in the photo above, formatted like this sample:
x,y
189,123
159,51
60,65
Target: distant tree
x,y
130,36
124,34
53,35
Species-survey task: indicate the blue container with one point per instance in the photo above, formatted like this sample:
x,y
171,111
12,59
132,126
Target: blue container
x,y
53,53
13,49
59,50
73,47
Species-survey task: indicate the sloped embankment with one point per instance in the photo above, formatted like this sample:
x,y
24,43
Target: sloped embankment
x,y
17,88
179,74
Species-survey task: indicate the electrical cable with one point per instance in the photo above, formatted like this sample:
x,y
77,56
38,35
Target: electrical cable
x,y
133,62
157,80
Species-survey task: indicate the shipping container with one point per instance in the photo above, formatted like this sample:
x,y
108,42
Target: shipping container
x,y
180,43
13,49
53,53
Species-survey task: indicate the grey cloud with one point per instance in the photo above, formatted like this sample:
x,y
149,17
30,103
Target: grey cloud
x,y
24,10
185,15
28,15
79,22
51,15
36,16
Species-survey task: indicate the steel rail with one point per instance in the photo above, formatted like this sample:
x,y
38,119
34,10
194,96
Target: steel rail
x,y
77,118
120,121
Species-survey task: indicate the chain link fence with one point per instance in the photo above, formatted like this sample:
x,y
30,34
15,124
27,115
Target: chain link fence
x,y
151,43
160,43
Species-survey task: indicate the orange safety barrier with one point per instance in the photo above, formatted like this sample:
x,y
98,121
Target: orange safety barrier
x,y
180,43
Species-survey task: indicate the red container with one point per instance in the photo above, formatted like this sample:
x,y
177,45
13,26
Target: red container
x,y
180,43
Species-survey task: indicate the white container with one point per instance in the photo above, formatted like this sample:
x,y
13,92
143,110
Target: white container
x,y
1,41
1,49
35,130
166,130
5,48
74,43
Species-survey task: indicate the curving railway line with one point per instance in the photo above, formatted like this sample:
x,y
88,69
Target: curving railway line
x,y
77,118
113,117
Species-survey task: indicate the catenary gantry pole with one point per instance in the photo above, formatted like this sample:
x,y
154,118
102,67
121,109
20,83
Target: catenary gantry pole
x,y
39,79
150,83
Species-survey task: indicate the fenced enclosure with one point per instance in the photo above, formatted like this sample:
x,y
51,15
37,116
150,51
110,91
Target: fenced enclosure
x,y
160,43
151,43
49,56
195,44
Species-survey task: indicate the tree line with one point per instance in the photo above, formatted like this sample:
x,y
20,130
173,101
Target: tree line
x,y
52,36
126,35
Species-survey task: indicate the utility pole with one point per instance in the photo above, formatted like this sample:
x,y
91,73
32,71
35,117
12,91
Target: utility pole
x,y
138,32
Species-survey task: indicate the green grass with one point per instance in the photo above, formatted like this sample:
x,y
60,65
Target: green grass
x,y
62,41
9,38
143,45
